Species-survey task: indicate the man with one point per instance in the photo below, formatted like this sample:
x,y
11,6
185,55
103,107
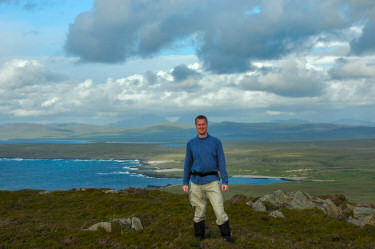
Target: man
x,y
204,158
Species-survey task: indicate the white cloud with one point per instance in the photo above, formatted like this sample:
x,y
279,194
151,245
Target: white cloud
x,y
292,88
50,102
354,68
226,37
20,73
292,79
278,113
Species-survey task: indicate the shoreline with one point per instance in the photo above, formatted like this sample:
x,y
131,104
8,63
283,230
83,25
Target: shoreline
x,y
271,177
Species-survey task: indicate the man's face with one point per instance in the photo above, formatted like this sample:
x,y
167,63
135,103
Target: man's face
x,y
201,126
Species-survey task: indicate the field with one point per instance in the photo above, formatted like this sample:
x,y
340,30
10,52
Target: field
x,y
320,168
57,219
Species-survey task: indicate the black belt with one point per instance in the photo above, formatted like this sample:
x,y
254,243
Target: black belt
x,y
194,173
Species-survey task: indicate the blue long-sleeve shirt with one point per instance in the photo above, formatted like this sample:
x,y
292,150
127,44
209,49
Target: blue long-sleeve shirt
x,y
204,155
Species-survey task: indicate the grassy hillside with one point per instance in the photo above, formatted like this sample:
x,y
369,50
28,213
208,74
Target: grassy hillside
x,y
55,220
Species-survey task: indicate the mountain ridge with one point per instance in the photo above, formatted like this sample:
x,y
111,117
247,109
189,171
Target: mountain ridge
x,y
173,132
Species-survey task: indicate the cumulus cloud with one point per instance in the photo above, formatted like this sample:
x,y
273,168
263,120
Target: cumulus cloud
x,y
289,89
228,35
291,79
114,32
353,69
182,72
150,77
365,44
19,73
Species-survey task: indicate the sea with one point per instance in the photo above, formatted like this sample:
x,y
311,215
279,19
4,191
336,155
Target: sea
x,y
65,174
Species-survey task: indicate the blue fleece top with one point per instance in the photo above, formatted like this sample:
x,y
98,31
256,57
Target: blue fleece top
x,y
204,155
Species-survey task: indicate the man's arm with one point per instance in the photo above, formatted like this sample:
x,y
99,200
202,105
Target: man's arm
x,y
187,168
222,166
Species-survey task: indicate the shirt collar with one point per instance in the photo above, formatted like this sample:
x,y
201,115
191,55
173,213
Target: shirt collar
x,y
208,135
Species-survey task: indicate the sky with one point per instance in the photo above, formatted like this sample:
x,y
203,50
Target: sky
x,y
102,61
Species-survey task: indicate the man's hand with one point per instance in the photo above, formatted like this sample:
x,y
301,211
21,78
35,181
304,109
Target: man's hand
x,y
185,188
224,187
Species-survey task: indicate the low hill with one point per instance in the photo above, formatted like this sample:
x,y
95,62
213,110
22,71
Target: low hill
x,y
63,131
173,132
290,132
144,120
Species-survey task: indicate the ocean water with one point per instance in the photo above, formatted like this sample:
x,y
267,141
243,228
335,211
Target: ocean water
x,y
62,174
36,141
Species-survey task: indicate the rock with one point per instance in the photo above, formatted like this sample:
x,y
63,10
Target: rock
x,y
302,200
359,216
365,215
124,223
110,191
107,226
250,203
270,198
78,189
44,192
349,207
136,224
346,210
259,206
355,221
133,223
277,214
369,219
281,197
363,211
330,208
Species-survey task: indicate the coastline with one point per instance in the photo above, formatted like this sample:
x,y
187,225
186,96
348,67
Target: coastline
x,y
157,172
271,177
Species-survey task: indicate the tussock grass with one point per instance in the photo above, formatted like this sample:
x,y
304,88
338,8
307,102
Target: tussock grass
x,y
55,220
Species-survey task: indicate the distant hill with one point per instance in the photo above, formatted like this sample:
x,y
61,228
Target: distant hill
x,y
353,122
45,132
290,121
189,120
144,120
290,132
172,132
186,120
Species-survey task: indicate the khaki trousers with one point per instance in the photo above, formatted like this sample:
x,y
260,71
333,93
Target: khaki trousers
x,y
198,200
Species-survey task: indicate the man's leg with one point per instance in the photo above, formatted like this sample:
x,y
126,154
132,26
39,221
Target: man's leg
x,y
216,198
199,203
213,193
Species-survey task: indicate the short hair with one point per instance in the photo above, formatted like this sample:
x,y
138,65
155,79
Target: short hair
x,y
201,117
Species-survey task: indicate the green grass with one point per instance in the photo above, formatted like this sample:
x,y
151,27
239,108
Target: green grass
x,y
55,220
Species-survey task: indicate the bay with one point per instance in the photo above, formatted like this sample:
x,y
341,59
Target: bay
x,y
63,174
